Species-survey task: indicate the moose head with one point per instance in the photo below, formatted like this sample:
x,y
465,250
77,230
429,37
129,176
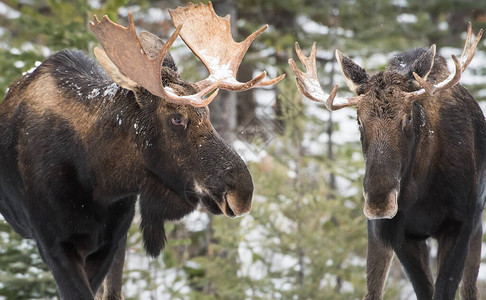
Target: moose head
x,y
182,151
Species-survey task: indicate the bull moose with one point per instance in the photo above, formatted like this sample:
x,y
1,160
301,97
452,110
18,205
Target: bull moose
x,y
423,139
79,143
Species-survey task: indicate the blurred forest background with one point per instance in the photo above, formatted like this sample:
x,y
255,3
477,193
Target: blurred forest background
x,y
306,235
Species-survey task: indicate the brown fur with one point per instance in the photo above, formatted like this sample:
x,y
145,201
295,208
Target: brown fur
x,y
77,150
433,150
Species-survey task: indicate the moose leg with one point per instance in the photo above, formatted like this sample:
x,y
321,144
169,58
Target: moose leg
x,y
469,290
98,264
378,261
67,269
453,249
414,256
112,285
113,261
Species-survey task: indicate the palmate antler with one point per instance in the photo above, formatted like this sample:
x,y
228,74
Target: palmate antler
x,y
207,35
123,48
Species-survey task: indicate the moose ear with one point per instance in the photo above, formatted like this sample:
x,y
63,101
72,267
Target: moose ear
x,y
152,44
113,71
423,65
118,77
354,74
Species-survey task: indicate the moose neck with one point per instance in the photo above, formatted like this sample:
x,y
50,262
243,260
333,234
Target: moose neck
x,y
425,151
122,130
108,122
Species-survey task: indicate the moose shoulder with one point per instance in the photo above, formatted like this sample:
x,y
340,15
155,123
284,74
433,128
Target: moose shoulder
x,y
424,144
77,146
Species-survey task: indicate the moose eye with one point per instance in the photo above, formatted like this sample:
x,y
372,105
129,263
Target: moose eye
x,y
407,122
178,121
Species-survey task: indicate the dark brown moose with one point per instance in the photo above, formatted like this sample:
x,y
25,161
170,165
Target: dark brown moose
x,y
424,145
78,145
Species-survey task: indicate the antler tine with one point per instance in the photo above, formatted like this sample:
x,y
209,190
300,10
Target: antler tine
x,y
209,37
308,82
123,48
460,66
469,49
468,38
447,83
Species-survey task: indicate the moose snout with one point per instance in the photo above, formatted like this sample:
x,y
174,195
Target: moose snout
x,y
230,189
381,183
381,206
237,203
381,196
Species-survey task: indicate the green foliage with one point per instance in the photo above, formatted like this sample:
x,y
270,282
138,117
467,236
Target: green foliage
x,y
23,275
316,234
44,28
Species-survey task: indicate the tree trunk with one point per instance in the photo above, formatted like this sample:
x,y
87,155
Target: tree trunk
x,y
223,110
246,104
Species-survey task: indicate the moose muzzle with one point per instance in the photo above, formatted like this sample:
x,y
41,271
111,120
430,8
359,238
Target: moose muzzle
x,y
236,204
382,206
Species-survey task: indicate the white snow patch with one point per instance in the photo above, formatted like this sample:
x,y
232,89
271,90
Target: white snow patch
x,y
313,87
96,4
19,64
94,93
110,91
309,26
14,51
27,46
312,27
156,15
196,221
443,26
8,12
406,18
36,64
219,70
123,11
119,119
401,3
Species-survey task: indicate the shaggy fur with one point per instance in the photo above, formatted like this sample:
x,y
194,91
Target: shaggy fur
x,y
76,151
432,149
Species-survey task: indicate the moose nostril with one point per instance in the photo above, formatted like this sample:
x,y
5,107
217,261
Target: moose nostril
x,y
240,204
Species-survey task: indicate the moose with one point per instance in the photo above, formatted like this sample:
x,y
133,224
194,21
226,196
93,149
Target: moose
x,y
423,139
80,143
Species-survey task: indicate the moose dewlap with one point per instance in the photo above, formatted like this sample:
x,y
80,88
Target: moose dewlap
x,y
423,138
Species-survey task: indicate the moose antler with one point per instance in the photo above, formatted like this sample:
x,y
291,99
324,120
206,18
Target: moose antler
x,y
123,48
308,82
209,37
460,65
